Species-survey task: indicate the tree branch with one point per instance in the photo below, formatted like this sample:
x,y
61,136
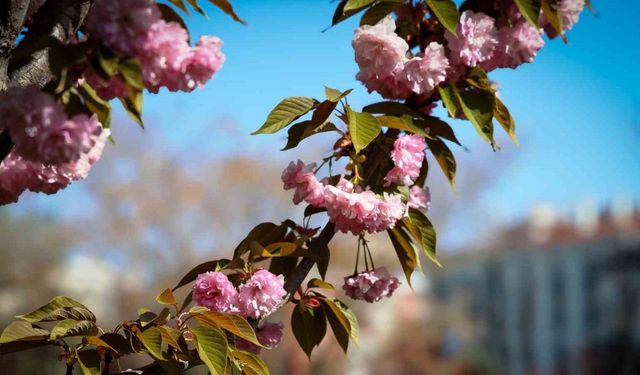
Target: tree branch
x,y
12,14
55,20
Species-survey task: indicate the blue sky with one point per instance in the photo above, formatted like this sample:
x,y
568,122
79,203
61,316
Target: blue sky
x,y
576,107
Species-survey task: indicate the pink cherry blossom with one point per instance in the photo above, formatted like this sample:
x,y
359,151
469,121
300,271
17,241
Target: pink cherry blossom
x,y
202,62
214,291
40,129
268,334
419,198
360,211
301,177
106,89
14,178
261,294
122,25
370,286
519,44
476,40
424,72
380,54
407,155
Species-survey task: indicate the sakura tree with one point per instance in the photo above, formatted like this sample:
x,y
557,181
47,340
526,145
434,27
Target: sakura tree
x,y
64,62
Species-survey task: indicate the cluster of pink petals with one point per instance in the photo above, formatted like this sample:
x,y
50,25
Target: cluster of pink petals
x,y
518,44
257,297
302,178
351,210
370,286
261,294
407,155
134,28
362,211
384,66
476,40
18,174
570,11
268,334
41,130
419,198
106,89
214,291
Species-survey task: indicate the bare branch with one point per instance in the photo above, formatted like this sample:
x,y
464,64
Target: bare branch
x,y
12,14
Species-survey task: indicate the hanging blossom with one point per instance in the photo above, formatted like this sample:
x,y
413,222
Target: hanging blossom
x,y
261,294
18,175
41,130
269,334
384,66
518,44
302,178
370,286
214,291
134,28
476,40
419,198
407,155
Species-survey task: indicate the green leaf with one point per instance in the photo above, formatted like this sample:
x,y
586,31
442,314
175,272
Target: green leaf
x,y
530,10
95,103
338,306
286,112
379,11
309,327
133,105
151,338
263,233
251,363
551,13
117,342
306,129
90,362
22,331
439,128
449,100
477,105
131,72
278,249
108,62
229,322
404,249
180,4
211,344
334,95
340,14
363,127
340,324
317,283
391,109
446,12
166,298
196,7
324,257
508,123
226,7
445,159
356,4
423,232
59,308
170,336
70,328
405,123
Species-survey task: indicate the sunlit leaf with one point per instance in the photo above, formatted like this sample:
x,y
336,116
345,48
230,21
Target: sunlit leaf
x,y
22,331
317,283
166,297
508,123
445,159
59,308
251,364
151,338
446,12
530,10
477,105
286,112
211,345
70,328
90,362
309,327
423,232
363,127
378,11
449,100
405,251
229,322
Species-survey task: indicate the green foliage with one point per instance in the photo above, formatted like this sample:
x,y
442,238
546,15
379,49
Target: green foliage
x,y
251,363
443,155
405,251
212,347
59,308
23,331
286,112
363,127
379,11
446,12
530,10
342,321
90,362
309,327
231,323
423,233
69,328
166,298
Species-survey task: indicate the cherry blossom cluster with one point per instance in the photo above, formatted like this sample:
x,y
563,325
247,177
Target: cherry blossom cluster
x,y
389,67
135,28
370,286
384,66
257,297
51,149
